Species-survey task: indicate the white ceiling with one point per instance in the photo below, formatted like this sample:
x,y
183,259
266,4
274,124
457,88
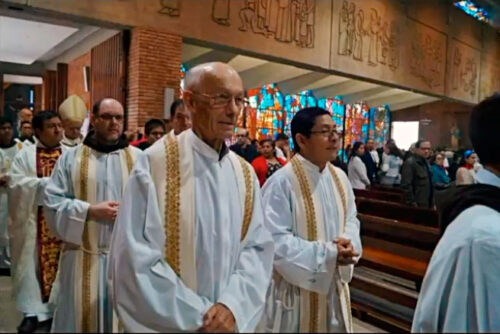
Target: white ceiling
x,y
22,79
23,41
257,72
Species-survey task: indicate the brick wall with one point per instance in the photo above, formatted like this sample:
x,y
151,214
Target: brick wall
x,y
76,84
154,64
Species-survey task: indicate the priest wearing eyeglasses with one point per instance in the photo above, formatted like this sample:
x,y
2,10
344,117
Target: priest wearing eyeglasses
x,y
81,203
190,251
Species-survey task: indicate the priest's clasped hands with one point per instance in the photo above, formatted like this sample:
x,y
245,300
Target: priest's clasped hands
x,y
218,319
104,211
345,252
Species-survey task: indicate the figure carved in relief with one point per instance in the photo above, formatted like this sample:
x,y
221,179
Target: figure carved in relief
x,y
271,23
426,60
358,36
393,46
249,17
374,31
350,27
455,70
310,12
284,24
382,44
221,12
170,7
436,63
469,76
342,40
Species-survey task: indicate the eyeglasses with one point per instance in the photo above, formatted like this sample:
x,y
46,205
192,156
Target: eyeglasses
x,y
222,100
326,133
108,117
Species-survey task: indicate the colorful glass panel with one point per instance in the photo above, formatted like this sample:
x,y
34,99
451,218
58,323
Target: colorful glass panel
x,y
380,124
474,10
294,103
357,120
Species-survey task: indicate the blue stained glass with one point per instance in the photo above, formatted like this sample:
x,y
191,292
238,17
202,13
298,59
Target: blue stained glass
x,y
474,10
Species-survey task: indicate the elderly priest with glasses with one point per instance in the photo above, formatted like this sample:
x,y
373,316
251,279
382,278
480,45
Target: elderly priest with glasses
x,y
190,251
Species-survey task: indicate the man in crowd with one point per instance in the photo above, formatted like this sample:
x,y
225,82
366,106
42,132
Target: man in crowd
x,y
8,150
35,251
81,201
190,251
244,147
180,116
26,133
370,159
283,147
155,129
73,112
461,290
416,177
24,115
310,211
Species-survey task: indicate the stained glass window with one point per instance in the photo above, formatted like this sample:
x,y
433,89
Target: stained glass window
x,y
294,103
472,8
380,124
357,120
336,108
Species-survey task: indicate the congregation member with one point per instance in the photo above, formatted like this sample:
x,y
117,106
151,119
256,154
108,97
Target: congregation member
x,y
310,211
440,177
460,291
268,163
26,133
8,150
81,203
190,251
180,117
283,147
357,171
416,176
244,147
467,173
154,129
369,159
35,251
391,165
337,162
73,112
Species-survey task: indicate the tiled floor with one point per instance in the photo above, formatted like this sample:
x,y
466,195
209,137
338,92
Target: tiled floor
x,y
10,317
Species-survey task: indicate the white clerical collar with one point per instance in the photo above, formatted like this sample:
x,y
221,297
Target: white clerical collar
x,y
309,165
206,150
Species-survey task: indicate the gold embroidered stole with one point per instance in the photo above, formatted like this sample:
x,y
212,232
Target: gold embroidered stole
x,y
314,306
90,250
49,247
180,225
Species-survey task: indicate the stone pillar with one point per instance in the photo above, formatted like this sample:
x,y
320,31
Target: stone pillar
x,y
154,64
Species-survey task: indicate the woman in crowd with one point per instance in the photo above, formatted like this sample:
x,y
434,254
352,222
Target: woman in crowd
x,y
467,173
440,177
356,168
266,164
391,165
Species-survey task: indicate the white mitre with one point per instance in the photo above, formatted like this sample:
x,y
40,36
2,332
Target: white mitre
x,y
73,109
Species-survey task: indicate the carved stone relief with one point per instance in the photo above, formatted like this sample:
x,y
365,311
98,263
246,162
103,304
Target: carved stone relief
x,y
358,31
287,21
426,59
170,8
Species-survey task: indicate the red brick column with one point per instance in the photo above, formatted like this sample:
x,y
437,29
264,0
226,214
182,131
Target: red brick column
x,y
154,64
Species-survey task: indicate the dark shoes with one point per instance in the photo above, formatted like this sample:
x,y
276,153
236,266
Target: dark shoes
x,y
30,325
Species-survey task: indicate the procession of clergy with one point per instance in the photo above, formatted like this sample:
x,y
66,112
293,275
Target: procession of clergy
x,y
180,237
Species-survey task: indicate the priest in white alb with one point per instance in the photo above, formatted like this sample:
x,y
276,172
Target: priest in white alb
x,y
310,211
81,201
35,251
190,251
73,112
8,150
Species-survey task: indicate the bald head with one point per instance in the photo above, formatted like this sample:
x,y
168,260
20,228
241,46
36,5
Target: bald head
x,y
208,74
214,95
25,115
106,103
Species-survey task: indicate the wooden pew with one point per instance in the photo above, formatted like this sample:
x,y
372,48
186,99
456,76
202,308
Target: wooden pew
x,y
399,212
386,282
381,195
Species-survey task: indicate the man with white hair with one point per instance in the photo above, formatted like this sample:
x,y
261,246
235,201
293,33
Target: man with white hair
x,y
190,251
